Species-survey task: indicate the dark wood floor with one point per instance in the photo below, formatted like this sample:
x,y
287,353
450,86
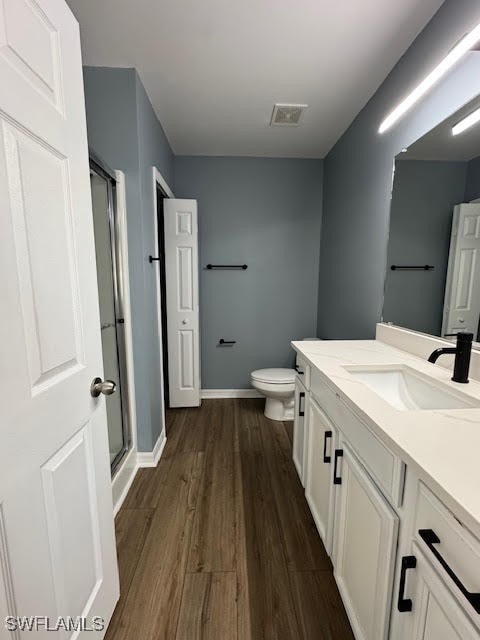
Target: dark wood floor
x,y
218,543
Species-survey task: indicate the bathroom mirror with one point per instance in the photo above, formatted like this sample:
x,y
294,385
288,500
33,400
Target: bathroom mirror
x,y
432,282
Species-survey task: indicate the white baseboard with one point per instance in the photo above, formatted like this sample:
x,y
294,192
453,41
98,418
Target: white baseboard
x,y
134,461
123,479
151,458
230,393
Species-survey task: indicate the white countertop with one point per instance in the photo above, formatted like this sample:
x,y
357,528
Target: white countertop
x,y
443,446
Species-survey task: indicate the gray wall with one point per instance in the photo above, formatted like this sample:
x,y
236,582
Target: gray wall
x,y
124,132
472,191
358,174
424,194
265,213
154,151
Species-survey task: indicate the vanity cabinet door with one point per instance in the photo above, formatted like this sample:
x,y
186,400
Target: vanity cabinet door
x,y
436,614
365,541
299,428
319,488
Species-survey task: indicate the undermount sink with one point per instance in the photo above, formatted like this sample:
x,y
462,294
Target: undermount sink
x,y
408,390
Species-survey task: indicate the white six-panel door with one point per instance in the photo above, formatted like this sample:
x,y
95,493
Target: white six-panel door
x,y
57,545
461,311
181,270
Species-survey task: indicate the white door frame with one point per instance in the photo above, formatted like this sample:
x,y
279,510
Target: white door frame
x,y
125,473
159,180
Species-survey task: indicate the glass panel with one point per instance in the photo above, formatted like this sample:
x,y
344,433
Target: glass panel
x,y
106,288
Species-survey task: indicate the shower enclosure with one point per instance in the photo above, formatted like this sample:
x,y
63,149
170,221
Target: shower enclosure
x,y
108,255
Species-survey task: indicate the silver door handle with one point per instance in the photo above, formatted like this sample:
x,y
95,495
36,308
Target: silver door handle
x,y
98,386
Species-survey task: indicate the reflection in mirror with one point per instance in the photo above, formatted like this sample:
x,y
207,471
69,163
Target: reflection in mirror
x,y
432,282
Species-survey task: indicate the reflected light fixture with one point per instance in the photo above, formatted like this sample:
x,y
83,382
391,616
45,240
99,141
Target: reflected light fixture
x,y
466,122
434,76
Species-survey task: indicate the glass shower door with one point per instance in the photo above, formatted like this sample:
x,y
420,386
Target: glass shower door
x,y
109,295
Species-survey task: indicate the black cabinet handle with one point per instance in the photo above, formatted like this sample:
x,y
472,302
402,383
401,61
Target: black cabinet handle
x,y
430,538
301,412
222,341
326,459
405,604
338,454
298,370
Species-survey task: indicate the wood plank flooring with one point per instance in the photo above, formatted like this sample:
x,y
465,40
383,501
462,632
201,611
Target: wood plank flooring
x,y
217,542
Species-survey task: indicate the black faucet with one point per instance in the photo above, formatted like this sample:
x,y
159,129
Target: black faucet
x,y
462,352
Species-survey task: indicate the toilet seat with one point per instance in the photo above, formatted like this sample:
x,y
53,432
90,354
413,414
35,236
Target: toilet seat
x,y
274,376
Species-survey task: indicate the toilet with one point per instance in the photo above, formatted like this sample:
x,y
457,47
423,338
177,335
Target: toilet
x,y
278,387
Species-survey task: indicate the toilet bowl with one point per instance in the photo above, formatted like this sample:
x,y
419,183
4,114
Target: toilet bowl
x,y
278,387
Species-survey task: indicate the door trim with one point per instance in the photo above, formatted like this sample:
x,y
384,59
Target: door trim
x,y
159,180
126,470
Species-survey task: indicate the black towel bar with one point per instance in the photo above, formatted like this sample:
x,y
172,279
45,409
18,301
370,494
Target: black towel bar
x,y
421,267
227,266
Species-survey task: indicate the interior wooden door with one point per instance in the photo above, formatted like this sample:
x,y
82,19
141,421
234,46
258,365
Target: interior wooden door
x,y
181,271
57,544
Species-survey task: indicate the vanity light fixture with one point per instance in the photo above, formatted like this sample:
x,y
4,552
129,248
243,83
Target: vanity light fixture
x,y
427,83
467,122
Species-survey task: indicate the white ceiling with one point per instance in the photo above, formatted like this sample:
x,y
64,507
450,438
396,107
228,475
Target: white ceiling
x,y
214,68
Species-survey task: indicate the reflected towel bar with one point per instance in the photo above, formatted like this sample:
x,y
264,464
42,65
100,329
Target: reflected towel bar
x,y
227,266
422,267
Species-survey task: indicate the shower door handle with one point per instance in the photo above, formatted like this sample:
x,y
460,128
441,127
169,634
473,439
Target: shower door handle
x,y
98,386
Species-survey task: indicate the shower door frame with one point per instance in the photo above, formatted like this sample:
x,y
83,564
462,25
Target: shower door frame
x,y
102,170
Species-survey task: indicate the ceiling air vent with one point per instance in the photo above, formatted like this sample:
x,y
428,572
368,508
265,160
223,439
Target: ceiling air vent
x,y
287,115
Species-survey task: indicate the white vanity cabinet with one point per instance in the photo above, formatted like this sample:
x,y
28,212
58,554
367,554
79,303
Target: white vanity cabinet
x,y
300,421
365,542
299,431
438,572
352,482
319,487
406,566
436,615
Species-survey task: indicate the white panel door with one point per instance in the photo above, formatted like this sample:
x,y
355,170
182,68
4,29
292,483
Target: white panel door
x,y
319,487
461,311
366,531
57,544
181,270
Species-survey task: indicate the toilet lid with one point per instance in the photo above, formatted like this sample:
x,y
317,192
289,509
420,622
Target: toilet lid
x,y
274,376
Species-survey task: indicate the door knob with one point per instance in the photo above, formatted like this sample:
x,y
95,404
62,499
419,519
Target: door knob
x,y
184,321
98,386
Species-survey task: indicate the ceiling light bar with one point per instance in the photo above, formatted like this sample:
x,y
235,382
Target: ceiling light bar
x,y
434,76
467,122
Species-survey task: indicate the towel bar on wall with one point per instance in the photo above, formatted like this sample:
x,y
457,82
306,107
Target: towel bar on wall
x,y
227,266
421,267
